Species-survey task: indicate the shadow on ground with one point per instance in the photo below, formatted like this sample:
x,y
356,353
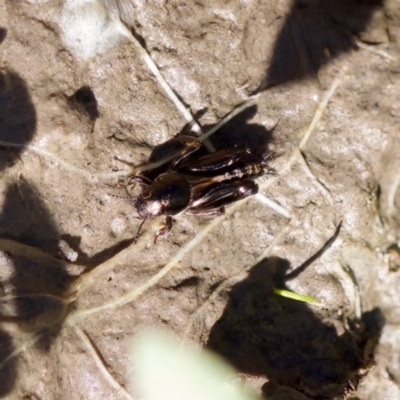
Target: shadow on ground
x,y
17,125
314,33
38,280
264,334
238,132
17,116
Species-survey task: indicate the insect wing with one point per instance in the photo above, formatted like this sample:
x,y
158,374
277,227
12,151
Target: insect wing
x,y
221,194
217,161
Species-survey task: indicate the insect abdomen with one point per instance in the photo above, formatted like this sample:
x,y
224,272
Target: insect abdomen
x,y
247,171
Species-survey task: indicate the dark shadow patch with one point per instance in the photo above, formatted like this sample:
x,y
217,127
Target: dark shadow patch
x,y
190,282
240,132
138,36
3,34
237,132
26,219
85,100
38,284
17,117
100,257
314,33
8,370
296,272
263,334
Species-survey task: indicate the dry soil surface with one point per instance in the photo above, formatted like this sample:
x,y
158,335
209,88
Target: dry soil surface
x,y
79,99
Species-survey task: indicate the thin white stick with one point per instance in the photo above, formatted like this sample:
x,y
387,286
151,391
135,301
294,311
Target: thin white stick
x,y
134,294
322,106
273,205
33,253
163,83
100,364
392,194
317,116
19,350
325,192
90,176
59,160
383,54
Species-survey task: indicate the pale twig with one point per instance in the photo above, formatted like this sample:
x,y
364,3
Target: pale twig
x,y
383,54
322,106
394,187
155,164
325,192
83,172
134,294
297,154
94,352
29,343
59,160
333,261
273,205
32,253
163,83
361,45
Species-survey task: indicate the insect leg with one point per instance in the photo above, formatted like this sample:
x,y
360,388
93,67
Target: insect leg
x,y
221,194
252,170
139,179
206,213
222,159
134,179
163,232
138,232
191,145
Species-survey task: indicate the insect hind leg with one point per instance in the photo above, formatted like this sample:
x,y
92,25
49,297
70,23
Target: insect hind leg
x,y
165,230
191,145
221,194
139,231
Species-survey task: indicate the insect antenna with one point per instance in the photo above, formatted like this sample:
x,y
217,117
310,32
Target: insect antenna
x,y
126,197
131,199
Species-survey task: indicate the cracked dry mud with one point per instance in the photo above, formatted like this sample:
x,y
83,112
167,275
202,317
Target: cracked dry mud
x,y
68,116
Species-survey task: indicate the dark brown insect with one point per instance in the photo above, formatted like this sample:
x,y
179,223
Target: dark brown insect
x,y
198,185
